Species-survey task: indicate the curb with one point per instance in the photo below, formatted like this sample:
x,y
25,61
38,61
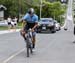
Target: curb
x,y
9,31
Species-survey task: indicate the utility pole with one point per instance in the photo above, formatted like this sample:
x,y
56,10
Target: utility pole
x,y
18,10
40,8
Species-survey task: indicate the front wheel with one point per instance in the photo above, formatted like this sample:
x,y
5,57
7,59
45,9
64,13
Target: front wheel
x,y
27,52
31,49
53,31
27,44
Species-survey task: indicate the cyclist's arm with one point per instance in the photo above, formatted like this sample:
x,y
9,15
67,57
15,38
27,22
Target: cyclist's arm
x,y
36,24
23,24
24,21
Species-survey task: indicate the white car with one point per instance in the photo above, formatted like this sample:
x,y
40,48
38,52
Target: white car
x,y
57,25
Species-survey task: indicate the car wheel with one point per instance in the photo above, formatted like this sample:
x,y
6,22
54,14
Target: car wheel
x,y
53,31
65,29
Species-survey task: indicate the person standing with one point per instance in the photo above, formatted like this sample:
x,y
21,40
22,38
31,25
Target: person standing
x,y
15,22
9,22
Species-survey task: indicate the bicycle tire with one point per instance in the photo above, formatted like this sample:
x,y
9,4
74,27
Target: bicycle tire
x,y
31,49
27,48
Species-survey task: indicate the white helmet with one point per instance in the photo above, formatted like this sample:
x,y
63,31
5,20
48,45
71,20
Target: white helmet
x,y
31,11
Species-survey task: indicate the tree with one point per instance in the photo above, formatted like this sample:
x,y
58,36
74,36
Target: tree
x,y
14,7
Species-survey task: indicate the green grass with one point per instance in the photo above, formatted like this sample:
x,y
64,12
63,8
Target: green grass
x,y
19,24
3,27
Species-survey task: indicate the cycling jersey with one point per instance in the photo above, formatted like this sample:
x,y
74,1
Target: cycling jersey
x,y
31,19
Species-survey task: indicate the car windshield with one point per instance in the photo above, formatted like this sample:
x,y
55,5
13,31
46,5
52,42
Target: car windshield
x,y
46,20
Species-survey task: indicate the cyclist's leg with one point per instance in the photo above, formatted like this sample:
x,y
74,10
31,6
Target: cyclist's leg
x,y
23,32
34,39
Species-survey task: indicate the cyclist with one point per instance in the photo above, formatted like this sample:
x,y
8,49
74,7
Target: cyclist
x,y
30,20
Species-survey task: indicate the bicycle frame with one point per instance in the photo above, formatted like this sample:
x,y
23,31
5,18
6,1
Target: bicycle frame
x,y
28,36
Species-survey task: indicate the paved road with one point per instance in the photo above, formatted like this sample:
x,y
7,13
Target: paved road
x,y
50,48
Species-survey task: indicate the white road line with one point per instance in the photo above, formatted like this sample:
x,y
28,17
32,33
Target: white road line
x,y
11,57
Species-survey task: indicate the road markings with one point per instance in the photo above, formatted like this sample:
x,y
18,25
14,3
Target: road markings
x,y
8,59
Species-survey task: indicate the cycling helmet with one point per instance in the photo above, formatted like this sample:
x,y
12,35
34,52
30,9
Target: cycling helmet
x,y
31,11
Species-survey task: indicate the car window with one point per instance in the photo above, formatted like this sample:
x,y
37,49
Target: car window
x,y
46,20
